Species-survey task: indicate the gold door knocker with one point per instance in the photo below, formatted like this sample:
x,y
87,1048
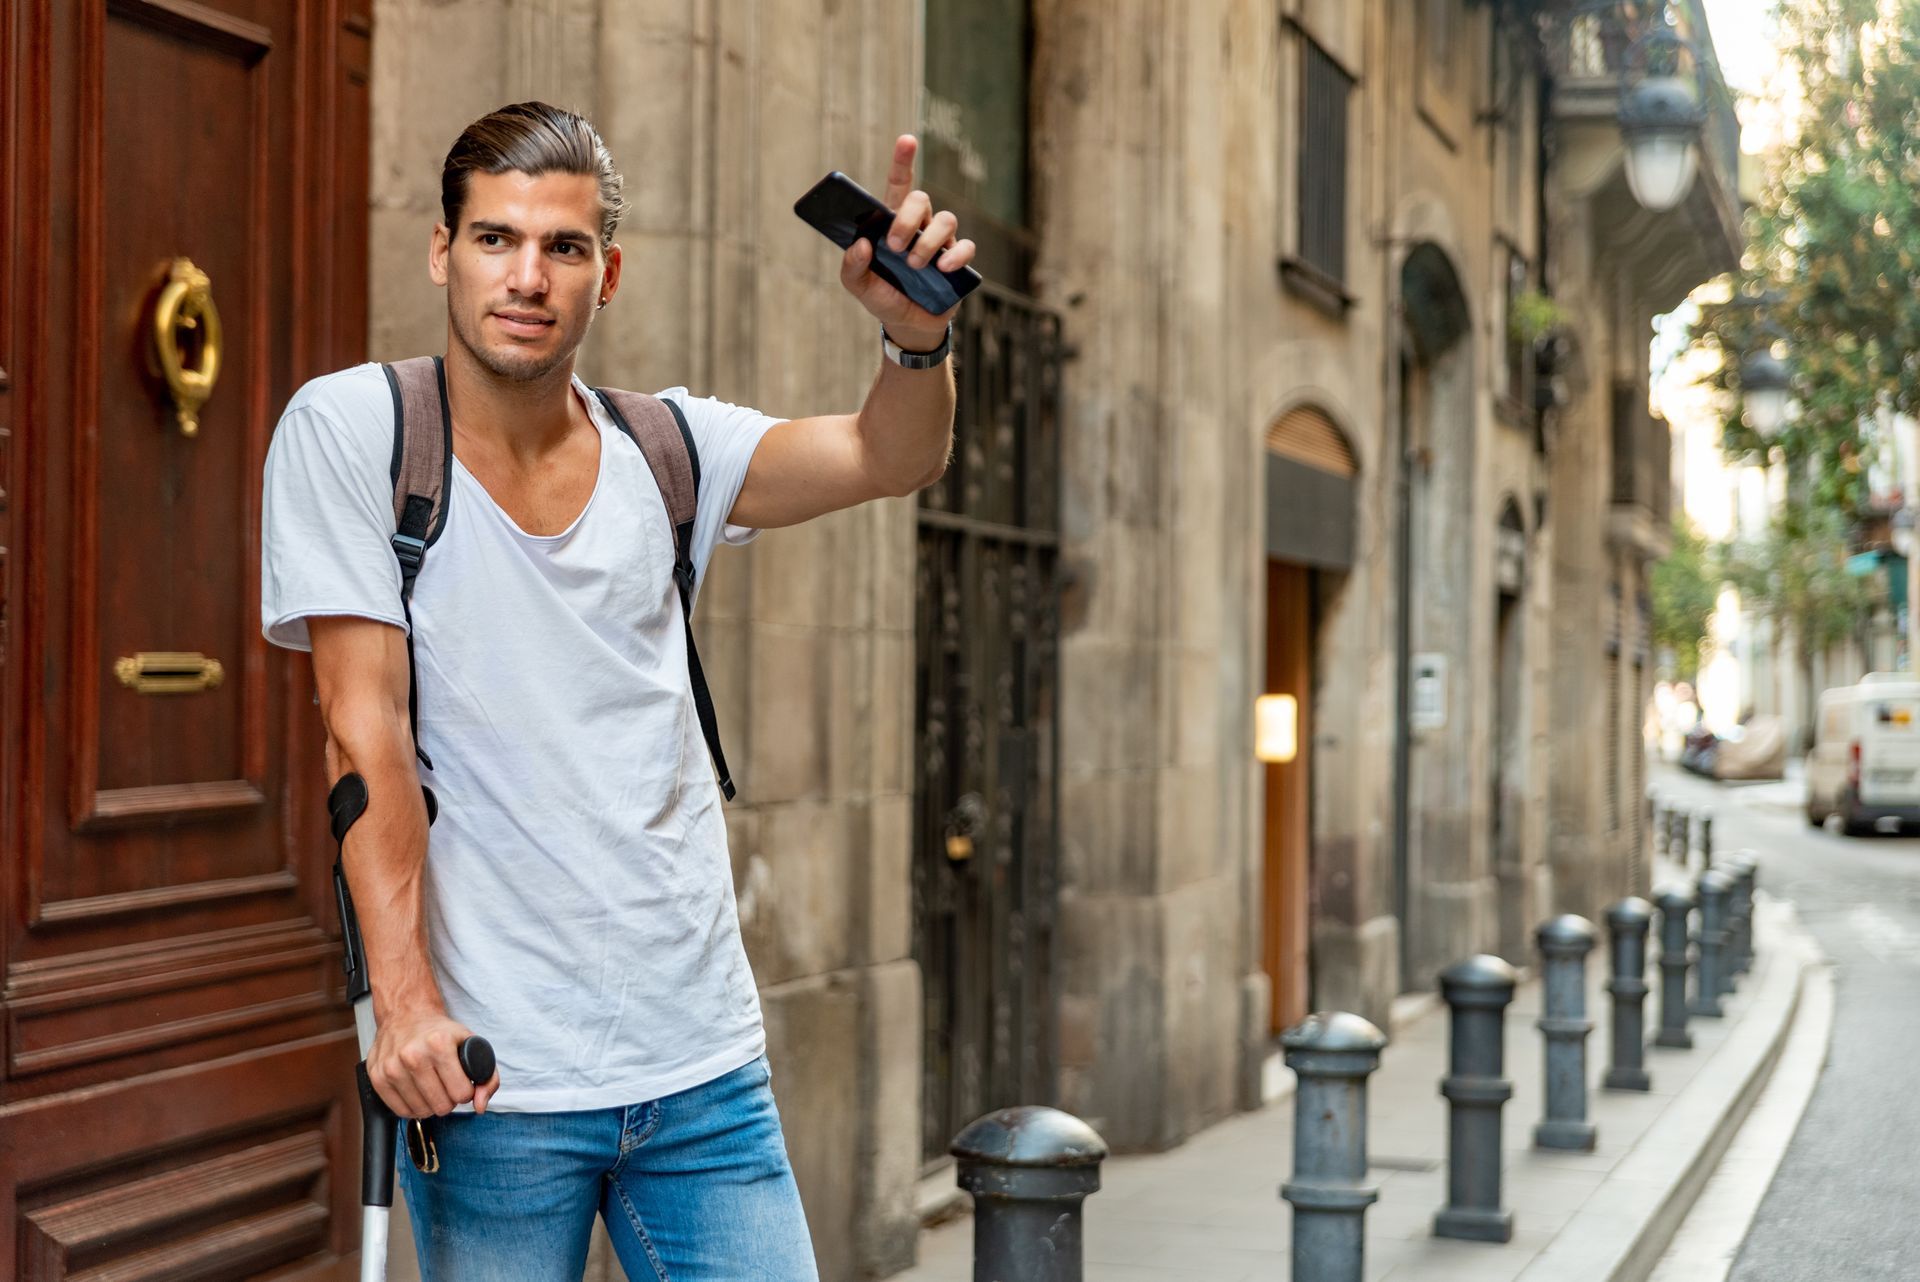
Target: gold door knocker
x,y
186,340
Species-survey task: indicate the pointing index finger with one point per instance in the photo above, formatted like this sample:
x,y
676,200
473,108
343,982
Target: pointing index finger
x,y
900,176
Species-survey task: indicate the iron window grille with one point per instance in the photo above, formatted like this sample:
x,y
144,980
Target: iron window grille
x,y
1320,260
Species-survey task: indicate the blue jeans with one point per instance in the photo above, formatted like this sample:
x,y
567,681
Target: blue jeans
x,y
694,1187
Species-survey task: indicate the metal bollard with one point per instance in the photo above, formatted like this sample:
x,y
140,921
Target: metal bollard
x,y
1477,992
1332,1056
1707,981
1029,1170
1679,825
1706,840
1627,923
1564,944
1743,873
1731,963
1675,905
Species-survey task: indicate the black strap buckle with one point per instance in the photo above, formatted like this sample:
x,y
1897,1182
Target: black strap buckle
x,y
411,552
683,578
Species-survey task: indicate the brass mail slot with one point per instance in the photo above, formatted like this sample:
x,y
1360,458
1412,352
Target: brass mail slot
x,y
168,672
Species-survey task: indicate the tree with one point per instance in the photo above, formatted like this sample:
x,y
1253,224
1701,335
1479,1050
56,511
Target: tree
x,y
1796,577
1684,588
1834,253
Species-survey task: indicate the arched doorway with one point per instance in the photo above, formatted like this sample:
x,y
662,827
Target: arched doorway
x,y
1310,477
1433,846
1506,745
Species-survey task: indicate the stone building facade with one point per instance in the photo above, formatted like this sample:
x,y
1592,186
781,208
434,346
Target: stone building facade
x,y
1244,415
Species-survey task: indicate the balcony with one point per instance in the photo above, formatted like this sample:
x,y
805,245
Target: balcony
x,y
1640,518
1594,49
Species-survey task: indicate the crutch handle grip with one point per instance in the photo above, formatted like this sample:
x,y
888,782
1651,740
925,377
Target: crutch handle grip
x,y
476,1059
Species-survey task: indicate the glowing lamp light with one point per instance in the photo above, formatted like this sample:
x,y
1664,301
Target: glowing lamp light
x,y
1661,119
1766,386
1276,728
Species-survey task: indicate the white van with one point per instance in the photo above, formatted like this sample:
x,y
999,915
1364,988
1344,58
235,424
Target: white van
x,y
1865,763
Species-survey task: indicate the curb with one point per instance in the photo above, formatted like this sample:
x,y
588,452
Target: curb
x,y
1656,1184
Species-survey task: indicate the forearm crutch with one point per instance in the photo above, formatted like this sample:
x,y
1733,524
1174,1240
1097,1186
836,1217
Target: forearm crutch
x,y
378,1125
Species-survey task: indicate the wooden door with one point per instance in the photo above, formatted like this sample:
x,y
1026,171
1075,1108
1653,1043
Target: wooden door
x,y
1289,832
176,1065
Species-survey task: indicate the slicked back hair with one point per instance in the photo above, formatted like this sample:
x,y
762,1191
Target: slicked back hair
x,y
534,138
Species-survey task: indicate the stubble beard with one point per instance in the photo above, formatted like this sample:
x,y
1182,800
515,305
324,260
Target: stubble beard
x,y
509,365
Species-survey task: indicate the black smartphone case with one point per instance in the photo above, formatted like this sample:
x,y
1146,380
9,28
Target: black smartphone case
x,y
843,211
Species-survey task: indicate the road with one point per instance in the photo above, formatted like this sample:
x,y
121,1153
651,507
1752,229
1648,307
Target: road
x,y
1845,1203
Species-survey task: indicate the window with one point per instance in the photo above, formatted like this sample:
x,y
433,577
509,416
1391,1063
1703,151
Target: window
x,y
1321,197
1520,362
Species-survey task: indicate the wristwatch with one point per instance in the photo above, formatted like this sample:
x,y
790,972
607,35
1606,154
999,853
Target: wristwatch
x,y
916,360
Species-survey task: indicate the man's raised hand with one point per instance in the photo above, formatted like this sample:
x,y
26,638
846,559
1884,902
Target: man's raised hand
x,y
932,239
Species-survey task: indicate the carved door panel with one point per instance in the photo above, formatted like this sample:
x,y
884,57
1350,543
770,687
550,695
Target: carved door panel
x,y
183,216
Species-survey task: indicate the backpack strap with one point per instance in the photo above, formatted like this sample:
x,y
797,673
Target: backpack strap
x,y
658,427
422,458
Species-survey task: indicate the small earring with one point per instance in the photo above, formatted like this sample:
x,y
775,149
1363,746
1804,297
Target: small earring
x,y
603,304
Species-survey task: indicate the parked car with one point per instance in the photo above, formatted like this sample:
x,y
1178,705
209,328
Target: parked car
x,y
1865,763
1756,749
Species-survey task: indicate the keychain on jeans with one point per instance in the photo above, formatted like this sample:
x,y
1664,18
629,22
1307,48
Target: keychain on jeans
x,y
426,1158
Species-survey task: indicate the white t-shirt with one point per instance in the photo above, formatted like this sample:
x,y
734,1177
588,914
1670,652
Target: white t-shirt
x,y
578,894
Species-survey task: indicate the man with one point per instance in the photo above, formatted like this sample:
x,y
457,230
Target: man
x,y
577,907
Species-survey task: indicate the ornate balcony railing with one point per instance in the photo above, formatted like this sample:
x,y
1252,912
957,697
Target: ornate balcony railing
x,y
1593,47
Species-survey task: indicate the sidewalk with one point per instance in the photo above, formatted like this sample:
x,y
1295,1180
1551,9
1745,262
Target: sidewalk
x,y
1209,1211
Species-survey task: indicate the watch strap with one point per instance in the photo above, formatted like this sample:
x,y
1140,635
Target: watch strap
x,y
916,360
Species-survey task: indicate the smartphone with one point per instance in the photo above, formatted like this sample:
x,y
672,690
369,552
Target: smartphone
x,y
843,211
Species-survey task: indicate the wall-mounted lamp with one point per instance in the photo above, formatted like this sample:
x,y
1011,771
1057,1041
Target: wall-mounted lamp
x,y
1766,388
1276,728
1662,114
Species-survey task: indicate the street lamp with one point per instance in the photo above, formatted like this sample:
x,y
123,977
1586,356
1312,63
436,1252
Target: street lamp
x,y
1765,388
1661,117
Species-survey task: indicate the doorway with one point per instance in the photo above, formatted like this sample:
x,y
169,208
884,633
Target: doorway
x,y
1289,827
1310,478
985,720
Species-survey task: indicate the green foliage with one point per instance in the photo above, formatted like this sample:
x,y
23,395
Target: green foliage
x,y
1796,576
1684,587
1534,315
1833,264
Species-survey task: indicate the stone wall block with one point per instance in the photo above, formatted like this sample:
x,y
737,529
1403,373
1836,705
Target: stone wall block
x,y
793,40
653,88
887,914
793,568
808,875
1109,835
1202,973
788,716
725,656
791,312
642,341
887,1229
891,723
849,713
1189,837
1110,952
815,1046
652,18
